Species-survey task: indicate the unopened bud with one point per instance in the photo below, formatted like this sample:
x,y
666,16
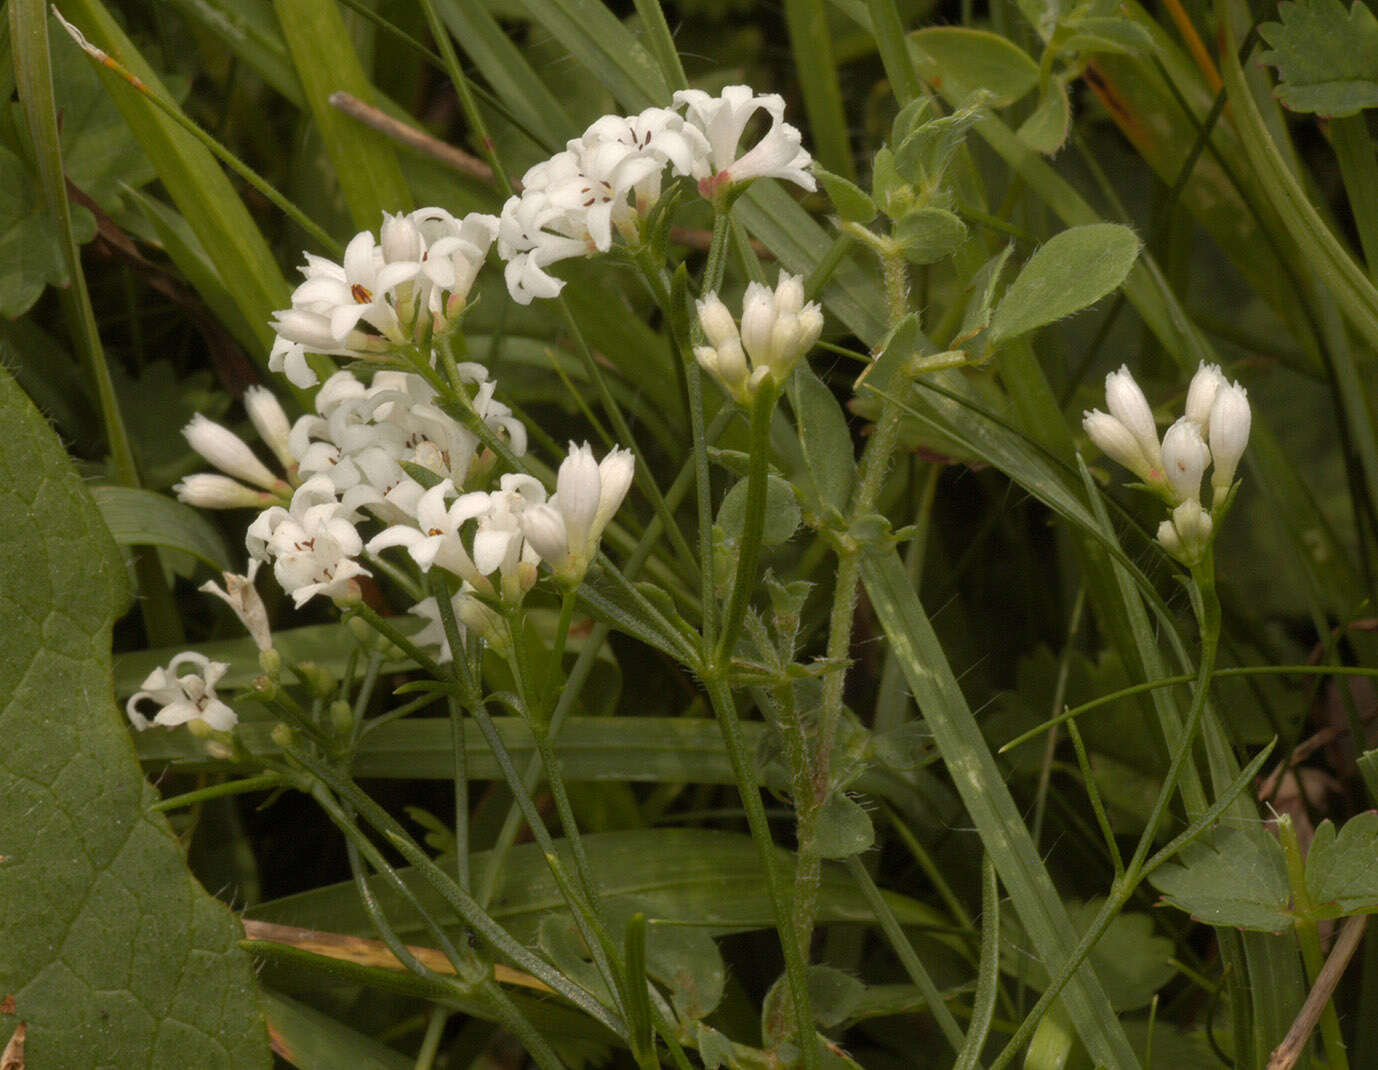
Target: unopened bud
x,y
1231,420
1127,403
282,735
1185,457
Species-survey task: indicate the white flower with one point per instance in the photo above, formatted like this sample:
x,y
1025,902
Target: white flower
x,y
1230,421
206,490
777,329
1185,457
241,596
312,545
228,452
1187,535
499,544
534,231
437,539
1114,440
565,531
1127,404
723,120
270,421
289,358
183,698
454,251
1201,394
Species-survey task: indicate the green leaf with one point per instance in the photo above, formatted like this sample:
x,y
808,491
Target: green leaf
x,y
824,437
1327,59
30,245
1070,271
964,61
1228,880
310,1039
1341,873
1046,129
596,38
844,828
834,995
1132,962
1109,34
102,923
695,877
981,304
782,512
852,202
927,235
142,518
365,162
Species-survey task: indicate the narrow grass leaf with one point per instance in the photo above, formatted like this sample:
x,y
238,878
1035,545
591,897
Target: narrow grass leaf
x,y
610,51
138,517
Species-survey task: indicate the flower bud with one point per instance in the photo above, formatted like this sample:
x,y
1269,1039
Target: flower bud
x,y
227,451
1201,394
1185,458
208,491
544,529
1113,439
1188,534
1127,404
270,421
1229,430
717,322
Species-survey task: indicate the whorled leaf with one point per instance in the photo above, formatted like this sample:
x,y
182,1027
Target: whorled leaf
x,y
113,954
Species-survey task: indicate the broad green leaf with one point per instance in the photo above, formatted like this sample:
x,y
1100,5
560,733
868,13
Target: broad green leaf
x,y
844,828
1046,129
1132,962
365,162
851,201
1228,880
824,438
782,512
1100,33
964,61
1326,58
101,921
927,235
142,518
30,244
1070,271
1342,870
698,877
834,995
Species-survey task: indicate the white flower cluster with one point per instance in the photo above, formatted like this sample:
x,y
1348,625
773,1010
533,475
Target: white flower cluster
x,y
390,291
777,329
185,698
1212,434
607,181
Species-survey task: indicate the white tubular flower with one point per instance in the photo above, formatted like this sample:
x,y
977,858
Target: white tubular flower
x,y
228,452
1201,394
1114,440
533,233
723,119
240,594
1127,404
566,531
499,544
180,699
1185,457
1187,535
454,252
269,419
205,490
312,545
1230,421
437,541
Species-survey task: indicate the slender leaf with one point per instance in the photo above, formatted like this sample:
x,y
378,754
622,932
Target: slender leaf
x,y
142,518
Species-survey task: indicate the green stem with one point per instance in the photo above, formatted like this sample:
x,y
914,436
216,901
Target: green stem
x,y
264,782
440,590
393,634
1349,137
893,46
753,528
743,769
472,114
1308,936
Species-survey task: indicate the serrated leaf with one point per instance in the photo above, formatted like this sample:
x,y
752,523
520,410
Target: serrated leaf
x,y
844,828
851,201
1046,129
1326,58
1070,271
102,922
142,518
964,61
1229,879
30,247
1342,870
929,234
